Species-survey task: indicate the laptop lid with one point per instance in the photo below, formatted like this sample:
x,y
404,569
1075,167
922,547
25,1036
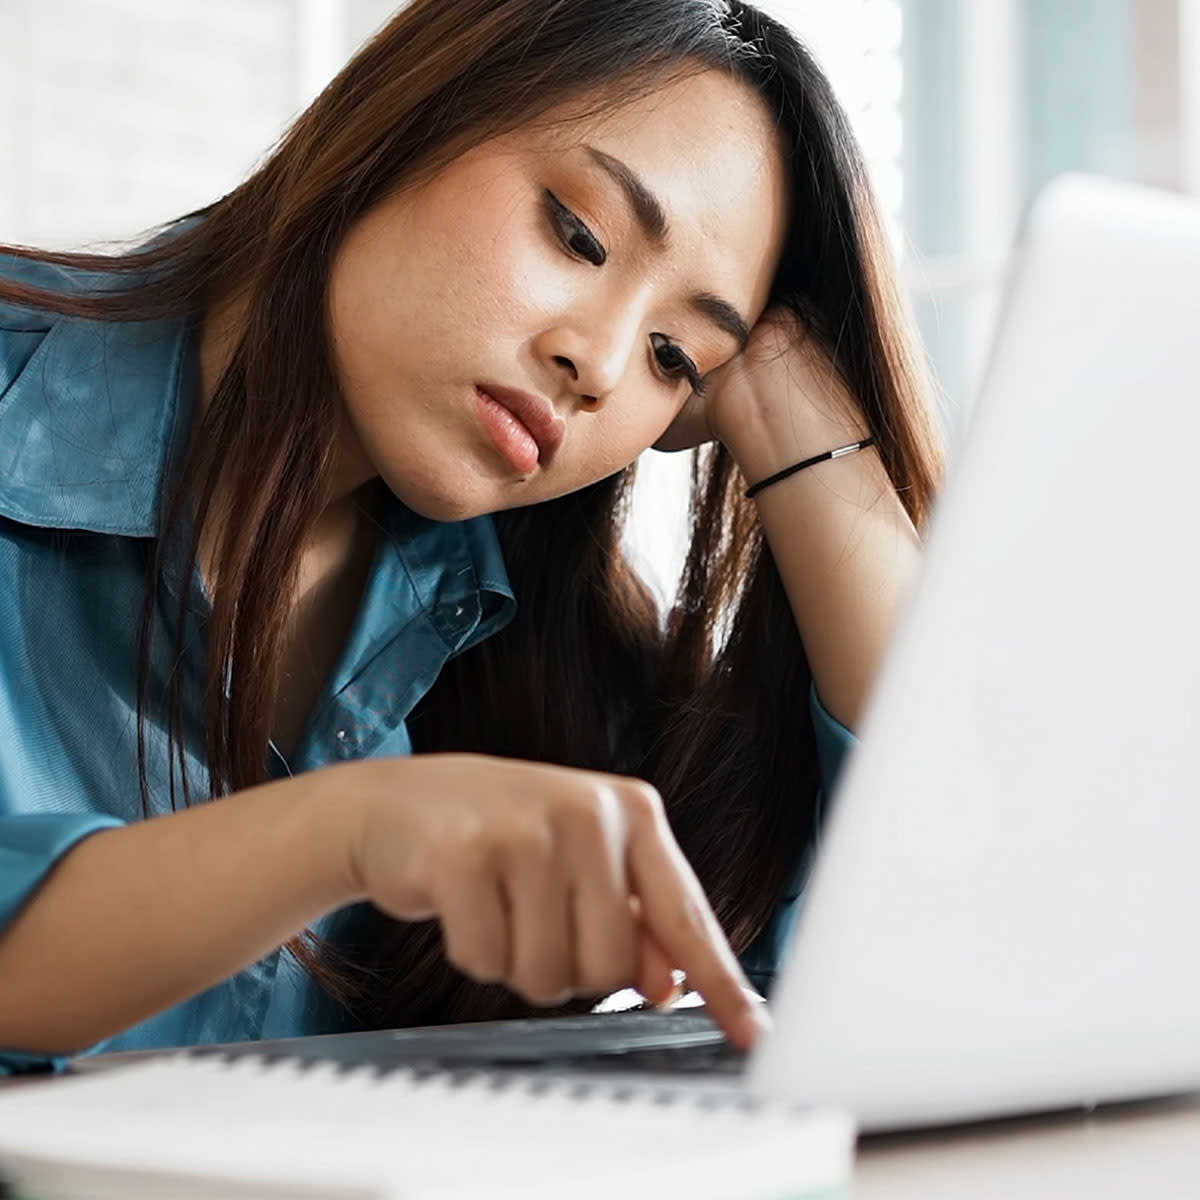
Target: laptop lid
x,y
1003,916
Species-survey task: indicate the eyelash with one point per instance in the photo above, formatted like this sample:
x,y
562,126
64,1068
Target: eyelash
x,y
569,228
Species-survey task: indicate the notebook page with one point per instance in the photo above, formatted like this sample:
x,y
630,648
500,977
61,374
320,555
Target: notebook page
x,y
358,1133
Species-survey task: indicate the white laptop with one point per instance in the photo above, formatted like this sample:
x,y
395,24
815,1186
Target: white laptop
x,y
1002,917
1004,914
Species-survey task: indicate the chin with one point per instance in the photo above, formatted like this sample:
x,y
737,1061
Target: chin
x,y
436,502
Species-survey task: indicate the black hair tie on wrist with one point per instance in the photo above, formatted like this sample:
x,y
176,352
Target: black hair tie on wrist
x,y
841,451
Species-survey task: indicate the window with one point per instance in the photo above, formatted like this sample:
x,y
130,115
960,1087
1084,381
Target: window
x,y
858,43
999,96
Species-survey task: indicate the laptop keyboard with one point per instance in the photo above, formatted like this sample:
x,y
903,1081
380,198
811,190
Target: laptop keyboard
x,y
716,1059
685,1042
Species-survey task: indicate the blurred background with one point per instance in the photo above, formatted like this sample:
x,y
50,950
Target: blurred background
x,y
117,114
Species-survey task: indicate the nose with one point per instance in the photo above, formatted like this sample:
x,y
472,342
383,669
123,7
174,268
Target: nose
x,y
592,356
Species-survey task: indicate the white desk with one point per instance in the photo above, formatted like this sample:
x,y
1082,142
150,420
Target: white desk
x,y
1132,1152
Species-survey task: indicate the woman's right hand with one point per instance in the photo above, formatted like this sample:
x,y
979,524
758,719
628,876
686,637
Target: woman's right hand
x,y
551,880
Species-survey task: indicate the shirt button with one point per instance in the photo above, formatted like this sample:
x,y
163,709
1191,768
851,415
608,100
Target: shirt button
x,y
341,735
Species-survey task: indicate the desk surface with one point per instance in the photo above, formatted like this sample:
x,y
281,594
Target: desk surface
x,y
1144,1151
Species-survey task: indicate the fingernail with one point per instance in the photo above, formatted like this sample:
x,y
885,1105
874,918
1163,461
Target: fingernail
x,y
673,997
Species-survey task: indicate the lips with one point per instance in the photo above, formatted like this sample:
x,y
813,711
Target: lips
x,y
536,413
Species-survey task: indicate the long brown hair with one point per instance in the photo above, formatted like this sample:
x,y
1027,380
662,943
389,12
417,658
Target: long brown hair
x,y
712,706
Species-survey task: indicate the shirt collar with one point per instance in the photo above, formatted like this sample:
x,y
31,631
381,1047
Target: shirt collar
x,y
88,425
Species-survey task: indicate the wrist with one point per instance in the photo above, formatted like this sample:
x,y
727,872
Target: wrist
x,y
767,443
332,813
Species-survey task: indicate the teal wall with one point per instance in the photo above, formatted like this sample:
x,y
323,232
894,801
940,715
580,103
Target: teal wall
x,y
1078,87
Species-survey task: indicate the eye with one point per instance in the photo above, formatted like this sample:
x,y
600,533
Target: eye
x,y
674,363
573,233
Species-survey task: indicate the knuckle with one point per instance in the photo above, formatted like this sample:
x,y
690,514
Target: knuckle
x,y
589,820
466,858
603,980
458,847
449,878
530,844
543,990
607,961
643,801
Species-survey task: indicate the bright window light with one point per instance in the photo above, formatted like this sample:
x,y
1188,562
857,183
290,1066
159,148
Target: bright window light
x,y
858,44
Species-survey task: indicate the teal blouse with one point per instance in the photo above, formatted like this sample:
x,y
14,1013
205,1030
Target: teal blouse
x,y
92,414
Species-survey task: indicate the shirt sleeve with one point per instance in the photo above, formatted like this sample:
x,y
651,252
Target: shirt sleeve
x,y
761,960
30,845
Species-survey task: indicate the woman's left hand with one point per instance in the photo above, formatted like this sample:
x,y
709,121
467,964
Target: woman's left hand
x,y
772,398
841,539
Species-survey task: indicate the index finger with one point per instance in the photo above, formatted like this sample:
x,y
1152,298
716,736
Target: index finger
x,y
678,915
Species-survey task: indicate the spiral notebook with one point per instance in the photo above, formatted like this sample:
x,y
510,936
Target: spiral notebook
x,y
194,1128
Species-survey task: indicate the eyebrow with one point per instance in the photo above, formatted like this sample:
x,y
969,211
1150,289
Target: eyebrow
x,y
652,219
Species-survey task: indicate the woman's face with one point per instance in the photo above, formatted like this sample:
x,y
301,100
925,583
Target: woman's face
x,y
531,263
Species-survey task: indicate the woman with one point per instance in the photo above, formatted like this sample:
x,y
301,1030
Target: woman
x,y
270,485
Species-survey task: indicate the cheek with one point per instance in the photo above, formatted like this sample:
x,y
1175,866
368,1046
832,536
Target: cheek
x,y
447,276
486,265
616,437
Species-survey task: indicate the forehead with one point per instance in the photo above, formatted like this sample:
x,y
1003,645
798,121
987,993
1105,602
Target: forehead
x,y
706,146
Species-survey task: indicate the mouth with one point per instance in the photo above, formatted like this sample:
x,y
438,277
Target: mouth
x,y
524,427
